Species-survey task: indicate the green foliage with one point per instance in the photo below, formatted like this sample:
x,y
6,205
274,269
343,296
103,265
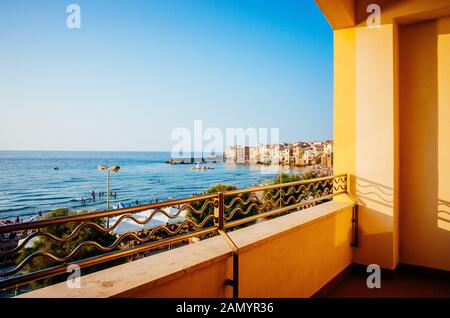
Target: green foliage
x,y
291,194
285,178
45,244
311,175
220,188
198,218
272,196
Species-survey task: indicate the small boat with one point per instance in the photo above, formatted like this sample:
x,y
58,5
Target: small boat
x,y
199,167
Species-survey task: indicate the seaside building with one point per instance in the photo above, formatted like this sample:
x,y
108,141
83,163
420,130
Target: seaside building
x,y
284,155
298,154
326,161
254,157
275,153
318,149
231,154
264,154
328,148
309,155
243,154
239,154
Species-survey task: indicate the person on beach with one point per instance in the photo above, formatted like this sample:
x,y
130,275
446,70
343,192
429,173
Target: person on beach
x,y
93,195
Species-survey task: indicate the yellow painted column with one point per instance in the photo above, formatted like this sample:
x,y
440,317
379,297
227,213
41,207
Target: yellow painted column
x,y
366,136
344,104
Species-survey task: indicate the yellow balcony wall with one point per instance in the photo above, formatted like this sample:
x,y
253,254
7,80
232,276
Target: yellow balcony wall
x,y
425,151
290,256
391,108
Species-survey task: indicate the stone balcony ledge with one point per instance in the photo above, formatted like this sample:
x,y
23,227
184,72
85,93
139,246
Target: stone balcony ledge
x,y
302,250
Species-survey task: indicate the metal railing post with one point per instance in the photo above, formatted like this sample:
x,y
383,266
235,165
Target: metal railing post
x,y
281,196
348,183
220,222
355,242
218,210
221,212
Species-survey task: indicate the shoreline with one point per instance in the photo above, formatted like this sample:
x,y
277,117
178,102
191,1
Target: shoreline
x,y
272,170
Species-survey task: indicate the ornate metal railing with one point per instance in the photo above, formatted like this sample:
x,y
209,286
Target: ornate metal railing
x,y
49,245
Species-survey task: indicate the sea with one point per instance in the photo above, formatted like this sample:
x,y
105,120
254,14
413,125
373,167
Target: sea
x,y
37,182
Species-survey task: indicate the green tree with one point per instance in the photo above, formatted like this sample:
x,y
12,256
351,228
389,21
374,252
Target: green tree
x,y
45,244
291,194
271,197
198,218
286,177
322,187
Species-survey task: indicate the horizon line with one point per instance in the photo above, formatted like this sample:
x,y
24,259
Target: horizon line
x,y
108,150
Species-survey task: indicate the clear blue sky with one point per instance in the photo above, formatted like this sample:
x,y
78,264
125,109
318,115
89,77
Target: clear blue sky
x,y
138,69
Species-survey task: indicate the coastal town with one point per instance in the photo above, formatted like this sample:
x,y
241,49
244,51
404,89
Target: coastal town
x,y
298,154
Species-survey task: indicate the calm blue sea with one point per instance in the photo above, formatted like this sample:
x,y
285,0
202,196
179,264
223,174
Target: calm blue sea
x,y
29,184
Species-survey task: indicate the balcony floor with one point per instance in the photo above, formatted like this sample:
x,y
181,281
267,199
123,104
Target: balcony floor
x,y
405,284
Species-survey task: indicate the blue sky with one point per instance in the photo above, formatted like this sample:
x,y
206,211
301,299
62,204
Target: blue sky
x,y
136,70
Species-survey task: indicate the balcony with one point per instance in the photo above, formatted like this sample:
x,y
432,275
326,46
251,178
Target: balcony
x,y
239,233
388,203
284,240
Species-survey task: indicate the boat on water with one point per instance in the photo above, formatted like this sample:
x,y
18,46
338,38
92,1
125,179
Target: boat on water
x,y
199,167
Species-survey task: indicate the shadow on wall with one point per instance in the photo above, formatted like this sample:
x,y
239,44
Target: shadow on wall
x,y
443,221
424,135
367,190
375,223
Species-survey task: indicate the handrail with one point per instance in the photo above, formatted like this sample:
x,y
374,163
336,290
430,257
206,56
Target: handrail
x,y
283,185
197,216
96,215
